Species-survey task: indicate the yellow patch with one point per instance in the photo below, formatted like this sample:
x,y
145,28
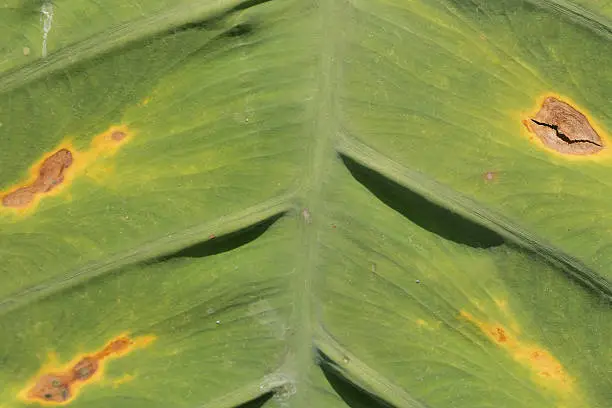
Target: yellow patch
x,y
431,325
59,384
602,155
122,380
502,304
547,370
103,145
100,173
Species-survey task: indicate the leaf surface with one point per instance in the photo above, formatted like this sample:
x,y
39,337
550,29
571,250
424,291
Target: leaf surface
x,y
303,203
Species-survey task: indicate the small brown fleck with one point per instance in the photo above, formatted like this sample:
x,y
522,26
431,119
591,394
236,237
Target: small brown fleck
x,y
564,129
118,135
500,335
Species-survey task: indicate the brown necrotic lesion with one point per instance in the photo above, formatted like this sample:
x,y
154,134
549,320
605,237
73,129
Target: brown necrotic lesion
x,y
50,175
58,387
59,167
563,128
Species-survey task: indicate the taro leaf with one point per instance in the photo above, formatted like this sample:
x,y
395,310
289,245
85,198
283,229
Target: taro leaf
x,y
305,203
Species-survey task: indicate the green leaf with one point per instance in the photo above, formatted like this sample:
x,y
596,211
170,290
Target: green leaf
x,y
304,204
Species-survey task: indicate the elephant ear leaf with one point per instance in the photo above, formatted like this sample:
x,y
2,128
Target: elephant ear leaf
x,y
302,203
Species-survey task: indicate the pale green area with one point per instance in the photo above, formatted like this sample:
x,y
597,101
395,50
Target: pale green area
x,y
302,209
592,9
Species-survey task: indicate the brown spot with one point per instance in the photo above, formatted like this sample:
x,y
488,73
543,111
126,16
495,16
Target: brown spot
x,y
547,369
61,385
116,346
51,170
53,388
500,335
50,175
19,198
118,135
85,368
562,128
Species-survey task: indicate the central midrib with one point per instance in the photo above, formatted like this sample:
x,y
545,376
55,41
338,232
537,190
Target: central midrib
x,y
324,107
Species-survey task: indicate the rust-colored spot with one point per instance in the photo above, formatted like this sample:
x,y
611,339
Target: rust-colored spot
x,y
564,129
50,174
60,385
500,335
547,369
118,135
58,168
109,140
85,368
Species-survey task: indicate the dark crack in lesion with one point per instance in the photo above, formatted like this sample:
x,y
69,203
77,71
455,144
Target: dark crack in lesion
x,y
564,129
563,136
